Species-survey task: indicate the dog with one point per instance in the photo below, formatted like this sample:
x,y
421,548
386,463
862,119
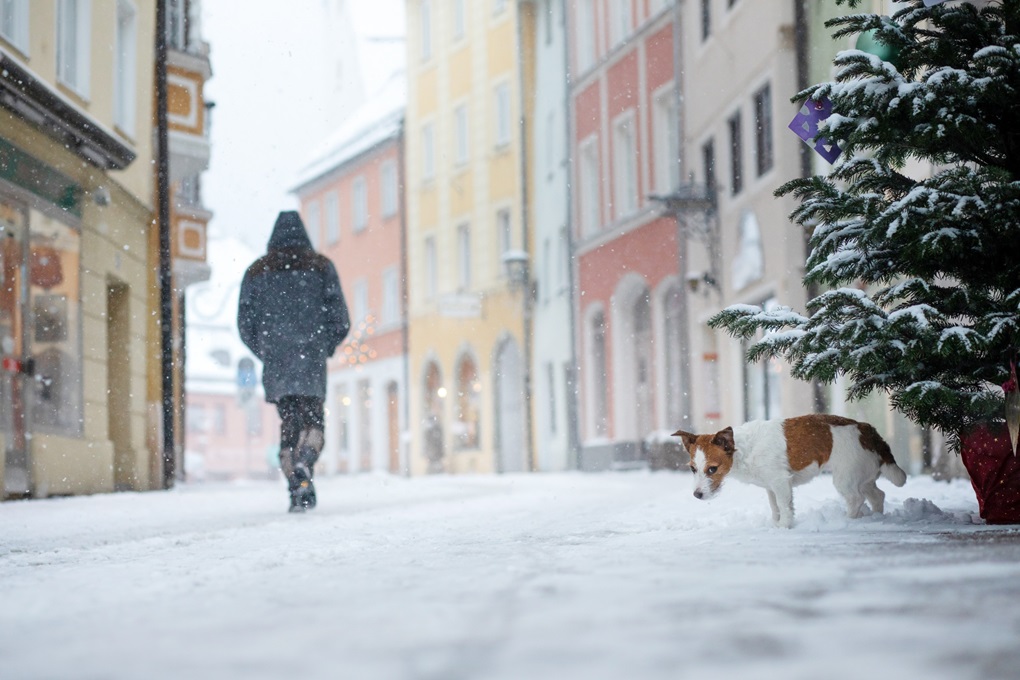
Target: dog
x,y
781,454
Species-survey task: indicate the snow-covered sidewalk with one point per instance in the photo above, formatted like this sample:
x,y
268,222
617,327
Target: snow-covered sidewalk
x,y
617,575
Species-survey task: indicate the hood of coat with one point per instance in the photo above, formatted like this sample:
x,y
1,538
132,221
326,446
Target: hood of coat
x,y
289,232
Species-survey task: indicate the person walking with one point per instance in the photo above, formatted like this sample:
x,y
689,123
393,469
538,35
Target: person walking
x,y
292,315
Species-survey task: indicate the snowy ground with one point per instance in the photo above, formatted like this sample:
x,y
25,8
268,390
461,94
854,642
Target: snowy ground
x,y
617,575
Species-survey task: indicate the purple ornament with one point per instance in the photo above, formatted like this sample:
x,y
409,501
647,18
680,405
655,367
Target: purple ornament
x,y
805,126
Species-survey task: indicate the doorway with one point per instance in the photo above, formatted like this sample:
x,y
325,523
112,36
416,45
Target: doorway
x,y
118,384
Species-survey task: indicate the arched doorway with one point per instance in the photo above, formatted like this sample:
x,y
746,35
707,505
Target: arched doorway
x,y
511,447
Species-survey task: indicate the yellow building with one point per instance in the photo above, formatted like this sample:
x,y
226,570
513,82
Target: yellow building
x,y
76,213
468,235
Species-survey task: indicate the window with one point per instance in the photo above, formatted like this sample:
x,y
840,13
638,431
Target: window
x,y
547,21
667,152
426,30
469,390
708,164
14,23
332,217
503,229
736,152
428,151
590,200
125,58
364,411
585,34
314,226
673,315
219,419
464,257
502,114
73,44
550,386
458,19
762,397
196,418
621,22
359,189
625,166
599,402
388,180
763,130
460,124
706,19
391,297
359,303
431,268
177,24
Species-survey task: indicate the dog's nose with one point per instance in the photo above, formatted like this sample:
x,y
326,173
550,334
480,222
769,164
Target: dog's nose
x,y
698,494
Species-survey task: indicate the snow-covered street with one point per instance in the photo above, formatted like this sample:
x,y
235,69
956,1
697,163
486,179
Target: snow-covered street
x,y
615,575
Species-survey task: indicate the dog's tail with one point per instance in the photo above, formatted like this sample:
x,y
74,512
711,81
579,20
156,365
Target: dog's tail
x,y
873,441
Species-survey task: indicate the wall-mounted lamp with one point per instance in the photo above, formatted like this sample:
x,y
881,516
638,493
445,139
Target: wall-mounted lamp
x,y
517,269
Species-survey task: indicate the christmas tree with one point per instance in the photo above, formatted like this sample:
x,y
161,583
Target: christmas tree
x,y
920,270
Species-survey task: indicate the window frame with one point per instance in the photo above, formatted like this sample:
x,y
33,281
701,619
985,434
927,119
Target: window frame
x,y
389,183
461,127
464,257
18,17
125,72
75,75
735,129
764,143
626,183
503,134
359,204
332,216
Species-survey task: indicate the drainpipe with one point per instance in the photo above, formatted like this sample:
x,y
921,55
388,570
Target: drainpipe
x,y
525,245
681,238
165,274
571,386
405,323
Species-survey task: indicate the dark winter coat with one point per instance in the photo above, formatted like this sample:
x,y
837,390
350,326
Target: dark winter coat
x,y
292,312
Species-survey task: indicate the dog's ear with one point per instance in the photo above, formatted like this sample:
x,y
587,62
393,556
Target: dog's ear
x,y
724,440
687,437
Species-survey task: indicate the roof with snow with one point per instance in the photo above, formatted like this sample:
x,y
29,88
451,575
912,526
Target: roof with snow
x,y
380,119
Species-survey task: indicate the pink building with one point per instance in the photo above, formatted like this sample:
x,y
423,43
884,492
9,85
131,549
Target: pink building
x,y
623,101
351,197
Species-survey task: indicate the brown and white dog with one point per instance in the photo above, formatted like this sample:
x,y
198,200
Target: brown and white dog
x,y
780,454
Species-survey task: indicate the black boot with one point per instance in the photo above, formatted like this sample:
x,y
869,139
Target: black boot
x,y
302,492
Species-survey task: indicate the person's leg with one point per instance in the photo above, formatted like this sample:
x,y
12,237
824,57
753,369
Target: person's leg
x,y
290,433
307,449
311,438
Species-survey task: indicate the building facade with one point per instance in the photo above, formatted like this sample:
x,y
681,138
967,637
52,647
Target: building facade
x,y
77,192
351,197
469,242
554,364
624,145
